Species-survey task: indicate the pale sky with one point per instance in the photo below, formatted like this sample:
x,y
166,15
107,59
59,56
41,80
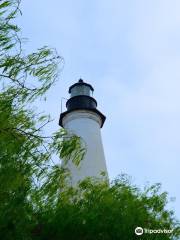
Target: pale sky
x,y
129,51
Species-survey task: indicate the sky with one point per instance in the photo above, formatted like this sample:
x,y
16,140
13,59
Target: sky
x,y
129,52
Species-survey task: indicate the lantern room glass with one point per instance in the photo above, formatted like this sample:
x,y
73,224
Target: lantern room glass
x,y
81,90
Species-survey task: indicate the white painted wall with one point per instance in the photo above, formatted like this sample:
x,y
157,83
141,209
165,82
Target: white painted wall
x,y
86,124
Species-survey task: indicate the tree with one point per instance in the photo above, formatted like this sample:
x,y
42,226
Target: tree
x,y
36,201
25,160
97,210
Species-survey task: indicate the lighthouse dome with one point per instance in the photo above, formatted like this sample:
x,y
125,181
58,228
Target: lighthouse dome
x,y
81,88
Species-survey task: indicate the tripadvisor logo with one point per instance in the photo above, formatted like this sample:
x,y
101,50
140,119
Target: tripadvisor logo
x,y
139,231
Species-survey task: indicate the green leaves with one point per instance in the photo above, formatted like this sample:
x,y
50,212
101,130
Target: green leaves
x,y
24,151
30,181
29,75
19,70
69,146
5,4
97,210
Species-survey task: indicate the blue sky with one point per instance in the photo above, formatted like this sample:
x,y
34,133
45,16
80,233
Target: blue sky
x,y
130,52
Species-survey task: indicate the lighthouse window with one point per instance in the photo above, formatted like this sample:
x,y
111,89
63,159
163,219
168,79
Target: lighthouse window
x,y
80,90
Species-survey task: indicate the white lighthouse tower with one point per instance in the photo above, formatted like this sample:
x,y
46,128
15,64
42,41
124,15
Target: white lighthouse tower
x,y
83,119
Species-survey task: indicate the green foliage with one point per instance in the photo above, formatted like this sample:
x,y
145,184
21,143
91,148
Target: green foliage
x,y
25,153
36,200
30,75
69,146
97,210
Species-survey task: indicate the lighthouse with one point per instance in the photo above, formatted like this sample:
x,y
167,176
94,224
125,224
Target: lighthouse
x,y
84,119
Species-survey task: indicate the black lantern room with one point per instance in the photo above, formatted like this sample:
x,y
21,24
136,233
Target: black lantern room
x,y
81,99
